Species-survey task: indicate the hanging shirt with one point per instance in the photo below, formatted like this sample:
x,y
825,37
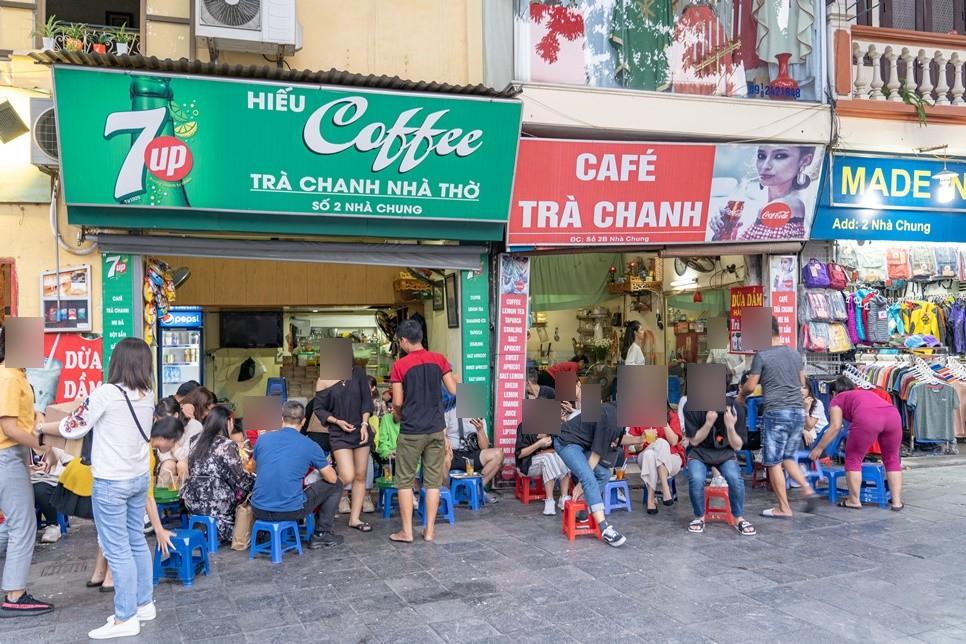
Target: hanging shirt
x,y
934,406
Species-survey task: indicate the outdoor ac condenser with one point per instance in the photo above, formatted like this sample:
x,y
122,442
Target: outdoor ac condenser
x,y
256,26
44,151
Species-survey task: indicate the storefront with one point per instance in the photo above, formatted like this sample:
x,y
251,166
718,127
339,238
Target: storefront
x,y
894,317
285,212
667,235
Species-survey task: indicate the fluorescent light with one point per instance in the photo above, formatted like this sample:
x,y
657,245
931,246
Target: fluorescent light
x,y
944,176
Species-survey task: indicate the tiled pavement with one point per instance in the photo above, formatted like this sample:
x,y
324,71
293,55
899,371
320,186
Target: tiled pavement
x,y
506,574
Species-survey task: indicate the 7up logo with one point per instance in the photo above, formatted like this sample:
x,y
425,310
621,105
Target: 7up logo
x,y
168,158
165,157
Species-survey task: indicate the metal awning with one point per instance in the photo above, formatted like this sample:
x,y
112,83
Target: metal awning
x,y
265,73
425,256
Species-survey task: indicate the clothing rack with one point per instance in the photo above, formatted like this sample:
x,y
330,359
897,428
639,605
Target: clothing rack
x,y
858,378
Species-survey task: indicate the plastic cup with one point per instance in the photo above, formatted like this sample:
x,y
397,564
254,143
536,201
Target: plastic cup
x,y
620,474
650,436
45,381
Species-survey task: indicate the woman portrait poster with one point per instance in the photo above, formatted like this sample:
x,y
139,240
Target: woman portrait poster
x,y
766,192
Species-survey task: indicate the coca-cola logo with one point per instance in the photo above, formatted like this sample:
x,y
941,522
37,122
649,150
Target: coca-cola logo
x,y
404,142
775,215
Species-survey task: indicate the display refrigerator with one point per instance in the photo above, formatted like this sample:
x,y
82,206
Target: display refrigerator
x,y
180,339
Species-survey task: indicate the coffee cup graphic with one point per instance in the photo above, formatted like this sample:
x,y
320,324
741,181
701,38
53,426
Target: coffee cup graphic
x,y
45,381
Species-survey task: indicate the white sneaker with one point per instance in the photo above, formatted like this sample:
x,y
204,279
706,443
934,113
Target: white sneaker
x,y
548,507
145,613
110,630
563,501
51,534
621,497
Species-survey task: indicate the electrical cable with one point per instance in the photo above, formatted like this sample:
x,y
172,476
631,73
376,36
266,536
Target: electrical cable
x,y
54,191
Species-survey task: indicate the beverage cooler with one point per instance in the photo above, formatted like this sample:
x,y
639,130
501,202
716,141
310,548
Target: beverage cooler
x,y
182,353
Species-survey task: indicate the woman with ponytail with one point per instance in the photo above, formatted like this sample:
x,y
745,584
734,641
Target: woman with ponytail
x,y
631,344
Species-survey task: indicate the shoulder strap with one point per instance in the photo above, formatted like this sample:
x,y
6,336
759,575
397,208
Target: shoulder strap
x,y
133,414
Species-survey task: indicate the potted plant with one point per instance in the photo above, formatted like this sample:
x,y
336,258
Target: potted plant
x,y
123,39
101,40
48,33
74,36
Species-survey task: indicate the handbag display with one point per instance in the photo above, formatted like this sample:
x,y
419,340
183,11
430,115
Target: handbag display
x,y
815,274
838,278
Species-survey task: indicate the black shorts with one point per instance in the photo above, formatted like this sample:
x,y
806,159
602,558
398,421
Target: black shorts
x,y
321,439
348,440
460,458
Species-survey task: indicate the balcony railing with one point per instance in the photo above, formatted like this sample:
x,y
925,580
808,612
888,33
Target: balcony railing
x,y
897,66
89,41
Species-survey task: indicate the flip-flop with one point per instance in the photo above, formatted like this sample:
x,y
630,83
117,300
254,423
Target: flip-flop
x,y
696,526
95,584
897,509
393,538
770,513
362,526
811,503
843,504
740,527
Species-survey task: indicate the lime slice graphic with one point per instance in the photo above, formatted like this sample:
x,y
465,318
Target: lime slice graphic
x,y
186,130
177,112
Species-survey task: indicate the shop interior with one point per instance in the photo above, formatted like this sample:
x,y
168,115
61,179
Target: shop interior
x,y
277,313
581,303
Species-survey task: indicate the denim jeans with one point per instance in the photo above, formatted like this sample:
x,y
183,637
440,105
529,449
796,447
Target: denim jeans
x,y
730,470
592,480
781,435
119,517
18,531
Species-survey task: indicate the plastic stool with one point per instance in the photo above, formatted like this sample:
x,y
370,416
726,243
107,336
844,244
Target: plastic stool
x,y
612,501
182,562
275,545
211,529
277,387
658,493
468,490
64,522
574,528
749,465
388,496
445,505
529,489
175,514
712,513
875,488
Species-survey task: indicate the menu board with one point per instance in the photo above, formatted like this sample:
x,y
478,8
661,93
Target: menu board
x,y
476,327
742,296
783,291
65,299
511,355
118,289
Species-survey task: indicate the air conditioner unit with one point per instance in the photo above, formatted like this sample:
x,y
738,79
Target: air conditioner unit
x,y
44,151
256,26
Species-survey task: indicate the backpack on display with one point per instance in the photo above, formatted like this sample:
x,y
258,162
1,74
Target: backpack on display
x,y
815,274
962,266
947,261
837,276
838,338
923,262
837,308
872,265
815,336
818,305
898,263
848,257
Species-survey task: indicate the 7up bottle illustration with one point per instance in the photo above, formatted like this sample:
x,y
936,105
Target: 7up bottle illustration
x,y
153,170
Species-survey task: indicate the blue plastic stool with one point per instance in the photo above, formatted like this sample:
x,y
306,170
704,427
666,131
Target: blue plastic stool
x,y
277,387
749,465
279,544
387,497
445,505
211,529
468,491
306,528
182,562
63,522
875,488
658,493
611,502
176,515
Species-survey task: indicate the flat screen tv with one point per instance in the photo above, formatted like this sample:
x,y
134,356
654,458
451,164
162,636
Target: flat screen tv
x,y
251,329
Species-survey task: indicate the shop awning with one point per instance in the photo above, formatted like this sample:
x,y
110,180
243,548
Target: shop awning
x,y
425,256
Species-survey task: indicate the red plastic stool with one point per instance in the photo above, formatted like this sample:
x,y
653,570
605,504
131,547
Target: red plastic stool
x,y
759,477
529,489
722,513
574,528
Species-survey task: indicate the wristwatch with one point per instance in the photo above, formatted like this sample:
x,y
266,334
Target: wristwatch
x,y
40,439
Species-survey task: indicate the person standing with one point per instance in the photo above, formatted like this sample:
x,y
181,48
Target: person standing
x,y
631,351
871,418
417,405
122,411
781,372
344,407
18,530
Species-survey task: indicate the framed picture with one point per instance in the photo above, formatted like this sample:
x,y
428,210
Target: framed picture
x,y
452,302
119,19
65,299
439,303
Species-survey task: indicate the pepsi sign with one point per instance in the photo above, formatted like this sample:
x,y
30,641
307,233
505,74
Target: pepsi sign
x,y
182,318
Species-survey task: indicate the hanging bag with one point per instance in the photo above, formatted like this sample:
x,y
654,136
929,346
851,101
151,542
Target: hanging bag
x,y
815,274
872,267
898,263
837,277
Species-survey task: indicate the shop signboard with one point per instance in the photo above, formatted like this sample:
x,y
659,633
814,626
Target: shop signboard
x,y
73,368
253,154
577,193
892,199
65,299
783,292
742,296
476,327
118,295
511,353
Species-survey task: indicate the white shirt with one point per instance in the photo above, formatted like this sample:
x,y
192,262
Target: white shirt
x,y
819,412
453,428
634,355
734,362
191,429
119,452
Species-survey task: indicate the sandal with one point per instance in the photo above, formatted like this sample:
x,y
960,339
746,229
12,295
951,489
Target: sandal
x,y
844,504
696,526
745,528
362,526
770,513
897,508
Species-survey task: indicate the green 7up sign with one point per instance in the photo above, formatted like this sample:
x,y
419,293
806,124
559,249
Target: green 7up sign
x,y
118,302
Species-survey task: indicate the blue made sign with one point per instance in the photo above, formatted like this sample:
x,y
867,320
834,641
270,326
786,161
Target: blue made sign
x,y
182,317
884,183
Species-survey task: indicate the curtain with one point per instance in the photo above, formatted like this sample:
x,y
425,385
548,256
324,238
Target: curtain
x,y
713,301
561,282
